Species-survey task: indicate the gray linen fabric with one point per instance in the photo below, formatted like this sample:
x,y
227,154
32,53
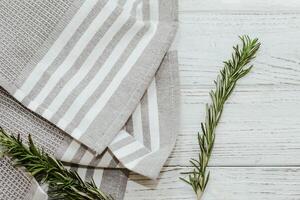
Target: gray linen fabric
x,y
93,83
16,183
94,67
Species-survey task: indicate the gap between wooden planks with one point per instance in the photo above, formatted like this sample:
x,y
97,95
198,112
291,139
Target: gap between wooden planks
x,y
257,149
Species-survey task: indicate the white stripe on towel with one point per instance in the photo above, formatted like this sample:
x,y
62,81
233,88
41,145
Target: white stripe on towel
x,y
97,176
137,124
38,191
102,73
77,50
121,136
88,64
128,149
153,116
82,172
54,51
86,158
132,59
71,151
132,164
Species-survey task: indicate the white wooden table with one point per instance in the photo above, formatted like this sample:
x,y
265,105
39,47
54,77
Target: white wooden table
x,y
257,150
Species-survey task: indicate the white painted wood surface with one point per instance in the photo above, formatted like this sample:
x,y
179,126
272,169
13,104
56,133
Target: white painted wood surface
x,y
257,150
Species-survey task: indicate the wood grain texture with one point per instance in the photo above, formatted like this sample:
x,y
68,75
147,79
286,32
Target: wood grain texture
x,y
226,183
260,127
238,5
256,155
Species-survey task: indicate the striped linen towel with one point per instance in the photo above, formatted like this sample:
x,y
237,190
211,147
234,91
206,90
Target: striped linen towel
x,y
93,82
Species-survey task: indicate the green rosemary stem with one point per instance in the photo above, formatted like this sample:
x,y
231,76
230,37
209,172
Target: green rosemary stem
x,y
233,70
63,183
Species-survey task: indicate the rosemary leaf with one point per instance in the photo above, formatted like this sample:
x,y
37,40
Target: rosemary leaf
x,y
233,70
63,183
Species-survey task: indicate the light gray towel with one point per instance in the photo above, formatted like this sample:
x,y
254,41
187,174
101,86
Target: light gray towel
x,y
86,86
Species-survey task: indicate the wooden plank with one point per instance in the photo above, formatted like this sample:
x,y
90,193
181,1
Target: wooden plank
x,y
257,149
228,183
260,126
239,5
204,41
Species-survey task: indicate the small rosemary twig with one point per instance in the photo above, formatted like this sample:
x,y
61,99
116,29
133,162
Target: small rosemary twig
x,y
233,70
63,183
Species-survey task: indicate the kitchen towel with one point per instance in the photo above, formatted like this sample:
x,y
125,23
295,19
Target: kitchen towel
x,y
94,82
17,119
16,184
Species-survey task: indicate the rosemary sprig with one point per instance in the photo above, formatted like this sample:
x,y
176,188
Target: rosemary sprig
x,y
63,183
233,70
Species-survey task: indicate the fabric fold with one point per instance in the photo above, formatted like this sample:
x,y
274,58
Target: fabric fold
x,y
15,183
151,131
95,67
93,82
